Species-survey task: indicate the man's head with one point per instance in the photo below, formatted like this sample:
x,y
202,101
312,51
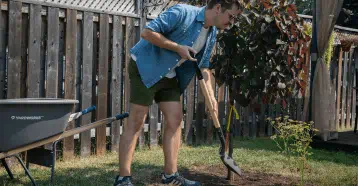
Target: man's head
x,y
223,12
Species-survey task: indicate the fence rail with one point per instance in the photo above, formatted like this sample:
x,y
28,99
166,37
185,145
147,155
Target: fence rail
x,y
58,52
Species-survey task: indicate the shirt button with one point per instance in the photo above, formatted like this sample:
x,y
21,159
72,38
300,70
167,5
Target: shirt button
x,y
177,59
168,68
198,30
192,42
161,76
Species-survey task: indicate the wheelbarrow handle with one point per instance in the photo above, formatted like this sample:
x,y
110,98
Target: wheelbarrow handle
x,y
76,115
89,109
121,116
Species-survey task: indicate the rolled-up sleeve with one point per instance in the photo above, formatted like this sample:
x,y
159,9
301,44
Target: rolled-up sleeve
x,y
166,21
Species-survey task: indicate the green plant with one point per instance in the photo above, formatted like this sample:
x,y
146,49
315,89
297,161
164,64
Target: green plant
x,y
329,51
293,138
263,53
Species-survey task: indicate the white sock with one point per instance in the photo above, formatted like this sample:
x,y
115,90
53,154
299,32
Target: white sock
x,y
120,178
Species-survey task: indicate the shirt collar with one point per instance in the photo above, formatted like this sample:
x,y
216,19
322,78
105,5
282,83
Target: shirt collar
x,y
201,15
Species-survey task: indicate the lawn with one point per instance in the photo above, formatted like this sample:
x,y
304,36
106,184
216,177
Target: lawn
x,y
260,160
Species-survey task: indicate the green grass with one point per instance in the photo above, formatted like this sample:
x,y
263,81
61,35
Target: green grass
x,y
260,155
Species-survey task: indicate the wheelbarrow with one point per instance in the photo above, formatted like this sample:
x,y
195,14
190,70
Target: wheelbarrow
x,y
30,123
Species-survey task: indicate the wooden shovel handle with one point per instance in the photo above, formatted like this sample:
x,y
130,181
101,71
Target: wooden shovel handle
x,y
207,97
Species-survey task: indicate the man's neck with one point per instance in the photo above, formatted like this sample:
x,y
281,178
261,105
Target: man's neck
x,y
208,18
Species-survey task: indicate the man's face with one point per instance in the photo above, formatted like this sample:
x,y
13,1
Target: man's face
x,y
225,18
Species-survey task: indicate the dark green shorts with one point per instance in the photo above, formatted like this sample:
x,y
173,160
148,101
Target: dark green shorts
x,y
165,90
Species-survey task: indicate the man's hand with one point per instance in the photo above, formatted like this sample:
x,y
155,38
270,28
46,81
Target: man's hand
x,y
184,52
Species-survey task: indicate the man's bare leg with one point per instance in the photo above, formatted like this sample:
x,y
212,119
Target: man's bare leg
x,y
172,133
128,141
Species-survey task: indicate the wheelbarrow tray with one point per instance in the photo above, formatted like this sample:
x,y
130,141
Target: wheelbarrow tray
x,y
25,121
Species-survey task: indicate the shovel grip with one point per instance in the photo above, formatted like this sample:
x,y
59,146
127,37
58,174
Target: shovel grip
x,y
197,69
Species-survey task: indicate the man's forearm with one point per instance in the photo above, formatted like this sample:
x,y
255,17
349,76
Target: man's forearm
x,y
159,40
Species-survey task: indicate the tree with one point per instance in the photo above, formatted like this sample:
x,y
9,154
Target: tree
x,y
263,53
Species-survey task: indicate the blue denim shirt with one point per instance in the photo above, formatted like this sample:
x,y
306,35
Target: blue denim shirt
x,y
181,24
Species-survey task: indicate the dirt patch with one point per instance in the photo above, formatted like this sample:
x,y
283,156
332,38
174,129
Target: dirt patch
x,y
216,175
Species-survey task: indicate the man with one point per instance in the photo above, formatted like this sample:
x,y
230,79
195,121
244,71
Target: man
x,y
166,42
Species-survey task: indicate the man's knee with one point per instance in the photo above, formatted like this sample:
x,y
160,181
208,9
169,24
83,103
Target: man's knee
x,y
138,114
174,119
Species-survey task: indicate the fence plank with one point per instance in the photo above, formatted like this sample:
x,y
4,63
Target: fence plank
x,y
189,113
349,89
70,74
246,124
116,85
153,124
272,116
79,57
237,123
24,56
338,99
102,83
200,112
299,109
87,63
52,63
95,67
129,42
221,103
61,62
354,103
14,62
262,119
3,44
253,126
344,91
43,54
34,66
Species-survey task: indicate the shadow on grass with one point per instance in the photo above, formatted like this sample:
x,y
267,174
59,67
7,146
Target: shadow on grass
x,y
143,174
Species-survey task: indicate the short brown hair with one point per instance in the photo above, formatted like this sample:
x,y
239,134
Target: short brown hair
x,y
225,4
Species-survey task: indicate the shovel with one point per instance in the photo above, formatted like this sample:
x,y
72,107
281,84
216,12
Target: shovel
x,y
228,161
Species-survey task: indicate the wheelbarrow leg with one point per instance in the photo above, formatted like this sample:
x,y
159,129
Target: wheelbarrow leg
x,y
3,161
53,160
26,170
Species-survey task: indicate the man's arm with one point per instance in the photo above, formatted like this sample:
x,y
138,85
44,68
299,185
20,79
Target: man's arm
x,y
159,40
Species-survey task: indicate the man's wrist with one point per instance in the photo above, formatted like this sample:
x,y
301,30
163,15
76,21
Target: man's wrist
x,y
176,47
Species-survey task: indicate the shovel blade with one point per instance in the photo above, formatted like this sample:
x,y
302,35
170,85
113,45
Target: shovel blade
x,y
230,164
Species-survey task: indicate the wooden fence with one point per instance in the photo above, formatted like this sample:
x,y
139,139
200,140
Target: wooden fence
x,y
76,54
343,72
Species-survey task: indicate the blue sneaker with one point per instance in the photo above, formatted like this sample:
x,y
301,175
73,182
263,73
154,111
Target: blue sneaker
x,y
177,179
125,181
